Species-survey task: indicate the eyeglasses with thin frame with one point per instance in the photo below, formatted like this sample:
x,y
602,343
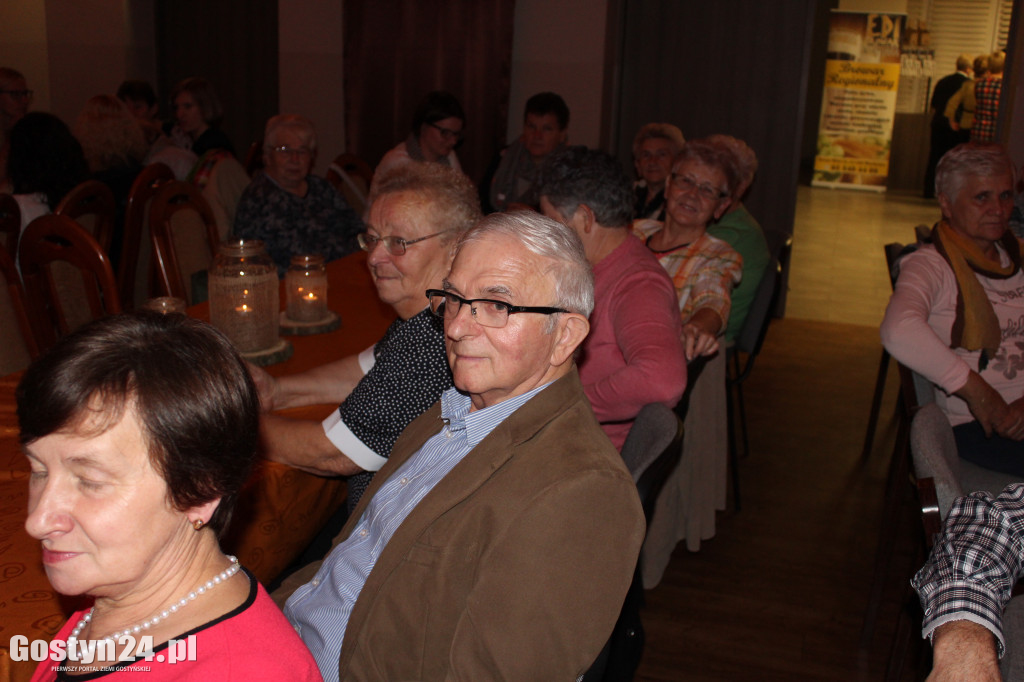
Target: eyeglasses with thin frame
x,y
447,133
17,94
395,245
486,311
685,183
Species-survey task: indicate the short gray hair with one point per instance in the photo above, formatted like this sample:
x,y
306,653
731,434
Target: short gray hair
x,y
577,175
547,238
970,158
299,124
453,200
746,159
659,131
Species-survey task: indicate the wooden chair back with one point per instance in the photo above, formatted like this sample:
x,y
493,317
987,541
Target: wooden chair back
x,y
351,176
254,158
68,278
185,239
17,341
135,271
92,205
10,223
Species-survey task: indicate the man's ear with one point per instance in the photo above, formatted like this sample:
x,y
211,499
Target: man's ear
x,y
572,330
583,219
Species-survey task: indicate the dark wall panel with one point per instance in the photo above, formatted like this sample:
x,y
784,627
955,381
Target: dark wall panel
x,y
737,67
231,43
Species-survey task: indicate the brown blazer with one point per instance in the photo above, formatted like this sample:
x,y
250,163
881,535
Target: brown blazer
x,y
514,567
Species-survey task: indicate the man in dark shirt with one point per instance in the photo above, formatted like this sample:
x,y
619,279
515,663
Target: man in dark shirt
x,y
944,138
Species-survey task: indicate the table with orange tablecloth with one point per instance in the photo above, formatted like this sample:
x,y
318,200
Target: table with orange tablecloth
x,y
278,513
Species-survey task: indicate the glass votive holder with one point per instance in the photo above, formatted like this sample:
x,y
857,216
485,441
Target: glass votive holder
x,y
306,289
244,299
165,305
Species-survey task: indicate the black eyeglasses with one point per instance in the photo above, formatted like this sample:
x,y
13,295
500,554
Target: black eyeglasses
x,y
486,311
447,133
17,94
687,184
395,245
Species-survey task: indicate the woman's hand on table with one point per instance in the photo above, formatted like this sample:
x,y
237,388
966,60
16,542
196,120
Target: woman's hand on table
x,y
700,334
266,386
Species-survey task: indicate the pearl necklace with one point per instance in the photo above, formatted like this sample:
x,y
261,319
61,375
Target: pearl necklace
x,y
173,608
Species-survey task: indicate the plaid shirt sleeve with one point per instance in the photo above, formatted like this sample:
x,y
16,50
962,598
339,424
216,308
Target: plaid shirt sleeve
x,y
974,565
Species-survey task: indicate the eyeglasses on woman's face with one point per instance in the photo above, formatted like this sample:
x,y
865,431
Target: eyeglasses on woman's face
x,y
686,183
447,133
394,245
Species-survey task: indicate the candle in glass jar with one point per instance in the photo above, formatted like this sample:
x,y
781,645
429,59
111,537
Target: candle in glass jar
x,y
306,286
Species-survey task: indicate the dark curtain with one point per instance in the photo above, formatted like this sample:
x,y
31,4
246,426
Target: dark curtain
x,y
696,65
232,44
396,51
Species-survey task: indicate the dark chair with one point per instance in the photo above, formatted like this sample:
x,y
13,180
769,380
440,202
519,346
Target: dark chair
x,y
652,450
254,158
915,391
17,341
10,223
893,252
92,205
941,478
135,272
67,276
184,235
748,343
351,176
780,245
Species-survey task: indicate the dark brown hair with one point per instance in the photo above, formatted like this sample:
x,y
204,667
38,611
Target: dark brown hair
x,y
195,401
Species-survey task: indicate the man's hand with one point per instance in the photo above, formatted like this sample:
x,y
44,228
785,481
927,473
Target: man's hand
x,y
962,651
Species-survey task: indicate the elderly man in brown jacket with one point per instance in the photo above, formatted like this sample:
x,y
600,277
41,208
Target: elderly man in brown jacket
x,y
499,540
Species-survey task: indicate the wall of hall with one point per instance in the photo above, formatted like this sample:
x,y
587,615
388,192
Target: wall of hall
x,y
72,49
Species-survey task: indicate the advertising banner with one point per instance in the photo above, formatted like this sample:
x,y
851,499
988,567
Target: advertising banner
x,y
862,76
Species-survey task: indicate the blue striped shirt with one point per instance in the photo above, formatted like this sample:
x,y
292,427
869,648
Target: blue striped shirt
x,y
320,609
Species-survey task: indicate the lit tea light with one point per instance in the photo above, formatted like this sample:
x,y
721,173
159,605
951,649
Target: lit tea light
x,y
306,287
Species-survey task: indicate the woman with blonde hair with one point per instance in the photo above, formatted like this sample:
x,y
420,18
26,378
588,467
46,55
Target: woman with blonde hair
x,y
114,147
110,134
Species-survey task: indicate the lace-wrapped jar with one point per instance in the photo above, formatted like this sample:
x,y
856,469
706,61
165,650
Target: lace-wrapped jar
x,y
244,298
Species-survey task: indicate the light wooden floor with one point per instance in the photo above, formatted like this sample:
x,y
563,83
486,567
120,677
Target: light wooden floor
x,y
780,592
837,272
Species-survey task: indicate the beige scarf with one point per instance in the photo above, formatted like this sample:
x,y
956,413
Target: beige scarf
x,y
976,326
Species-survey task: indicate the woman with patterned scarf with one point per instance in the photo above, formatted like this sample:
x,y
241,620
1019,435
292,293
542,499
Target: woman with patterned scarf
x,y
957,313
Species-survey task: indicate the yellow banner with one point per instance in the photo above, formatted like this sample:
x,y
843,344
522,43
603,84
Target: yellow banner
x,y
861,76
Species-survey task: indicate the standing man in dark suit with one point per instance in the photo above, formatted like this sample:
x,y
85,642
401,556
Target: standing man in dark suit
x,y
944,138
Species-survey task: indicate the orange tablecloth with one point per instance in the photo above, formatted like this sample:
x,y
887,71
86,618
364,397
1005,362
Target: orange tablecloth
x,y
278,513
